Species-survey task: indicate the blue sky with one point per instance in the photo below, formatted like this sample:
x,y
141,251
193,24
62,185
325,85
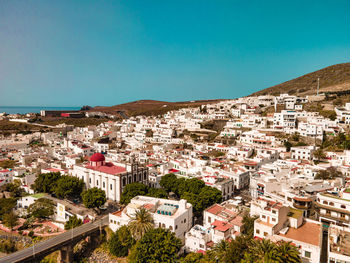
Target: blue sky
x,y
73,53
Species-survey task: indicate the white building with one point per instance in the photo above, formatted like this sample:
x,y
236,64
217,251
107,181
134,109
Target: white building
x,y
109,177
170,214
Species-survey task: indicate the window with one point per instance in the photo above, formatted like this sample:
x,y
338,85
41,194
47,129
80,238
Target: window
x,y
325,202
331,203
257,231
201,246
209,219
170,228
185,220
90,180
265,234
307,254
111,187
263,216
273,211
175,227
104,184
273,219
97,182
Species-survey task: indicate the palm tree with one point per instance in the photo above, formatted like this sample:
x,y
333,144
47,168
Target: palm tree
x,y
219,251
140,223
264,251
286,252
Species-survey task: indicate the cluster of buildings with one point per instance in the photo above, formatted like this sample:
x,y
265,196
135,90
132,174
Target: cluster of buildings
x,y
245,158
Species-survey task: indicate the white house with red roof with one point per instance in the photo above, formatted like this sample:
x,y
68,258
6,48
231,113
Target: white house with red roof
x,y
109,177
221,222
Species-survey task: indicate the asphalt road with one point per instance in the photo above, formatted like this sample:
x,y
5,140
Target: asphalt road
x,y
28,253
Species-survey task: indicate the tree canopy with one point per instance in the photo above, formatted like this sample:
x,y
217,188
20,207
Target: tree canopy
x,y
10,220
69,187
73,222
41,208
6,205
132,190
193,190
46,183
135,189
94,197
120,242
157,245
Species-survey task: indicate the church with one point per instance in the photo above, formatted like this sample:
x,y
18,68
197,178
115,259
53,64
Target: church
x,y
109,177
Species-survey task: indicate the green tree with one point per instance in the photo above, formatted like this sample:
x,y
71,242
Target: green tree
x,y
69,187
42,208
132,190
6,205
168,182
288,253
248,223
219,251
120,242
195,257
14,188
288,145
262,251
10,220
319,154
46,183
156,192
157,245
140,223
73,222
94,197
237,249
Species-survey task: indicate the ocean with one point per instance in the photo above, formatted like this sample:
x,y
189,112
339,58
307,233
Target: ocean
x,y
32,109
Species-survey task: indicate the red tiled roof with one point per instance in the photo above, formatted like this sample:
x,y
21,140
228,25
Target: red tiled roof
x,y
214,209
221,225
108,168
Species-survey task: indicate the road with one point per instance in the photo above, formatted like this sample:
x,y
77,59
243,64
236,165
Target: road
x,y
54,243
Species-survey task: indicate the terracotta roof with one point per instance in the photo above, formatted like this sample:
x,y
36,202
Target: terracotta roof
x,y
309,233
221,225
118,213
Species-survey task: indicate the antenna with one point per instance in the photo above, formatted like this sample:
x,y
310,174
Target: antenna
x,y
318,85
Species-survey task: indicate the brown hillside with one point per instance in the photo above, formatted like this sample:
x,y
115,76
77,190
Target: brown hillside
x,y
332,79
151,107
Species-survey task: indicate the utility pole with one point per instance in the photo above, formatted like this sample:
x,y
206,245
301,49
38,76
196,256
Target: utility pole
x,y
318,85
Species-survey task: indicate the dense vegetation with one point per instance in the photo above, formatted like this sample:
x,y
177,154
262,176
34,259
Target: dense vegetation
x,y
193,190
94,197
157,245
73,222
61,185
135,189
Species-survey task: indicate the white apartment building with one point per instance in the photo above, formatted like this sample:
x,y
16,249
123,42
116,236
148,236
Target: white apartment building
x,y
302,152
109,177
170,214
334,208
284,119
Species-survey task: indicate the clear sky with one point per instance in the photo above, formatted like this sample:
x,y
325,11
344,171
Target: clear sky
x,y
73,53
